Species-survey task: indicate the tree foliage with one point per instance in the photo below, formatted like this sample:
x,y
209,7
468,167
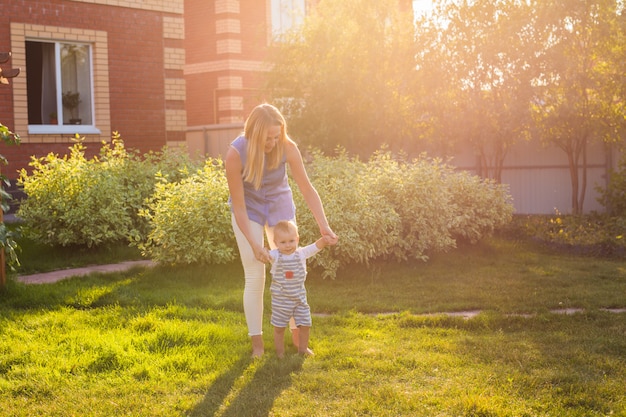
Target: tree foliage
x,y
345,77
477,75
579,96
478,59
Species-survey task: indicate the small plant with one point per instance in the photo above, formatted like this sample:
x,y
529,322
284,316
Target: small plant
x,y
71,100
7,237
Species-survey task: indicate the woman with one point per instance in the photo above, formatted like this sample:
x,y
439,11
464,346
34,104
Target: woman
x,y
260,197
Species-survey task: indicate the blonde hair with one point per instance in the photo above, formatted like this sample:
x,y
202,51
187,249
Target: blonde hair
x,y
286,227
256,129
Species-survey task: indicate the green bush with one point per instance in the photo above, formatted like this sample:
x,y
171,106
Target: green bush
x,y
390,209
417,191
592,234
7,237
72,200
190,219
137,175
383,209
613,197
437,204
481,206
366,223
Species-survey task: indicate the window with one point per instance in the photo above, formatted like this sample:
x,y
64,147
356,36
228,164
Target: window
x,y
59,85
287,15
94,107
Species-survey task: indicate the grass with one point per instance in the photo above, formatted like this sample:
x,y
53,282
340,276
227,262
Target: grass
x,y
172,341
35,257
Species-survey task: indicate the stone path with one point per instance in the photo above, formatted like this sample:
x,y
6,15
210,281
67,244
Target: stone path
x,y
54,276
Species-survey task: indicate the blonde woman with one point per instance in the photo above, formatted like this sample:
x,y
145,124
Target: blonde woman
x,y
260,197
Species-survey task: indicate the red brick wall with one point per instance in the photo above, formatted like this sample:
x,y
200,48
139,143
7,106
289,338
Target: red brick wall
x,y
254,31
200,46
199,30
136,71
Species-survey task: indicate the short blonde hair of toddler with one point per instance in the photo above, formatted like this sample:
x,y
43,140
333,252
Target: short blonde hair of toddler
x,y
286,226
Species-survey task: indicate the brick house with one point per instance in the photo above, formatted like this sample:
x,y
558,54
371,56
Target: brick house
x,y
124,58
160,72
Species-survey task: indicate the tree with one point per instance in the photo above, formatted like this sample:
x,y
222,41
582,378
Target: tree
x,y
477,57
343,78
580,91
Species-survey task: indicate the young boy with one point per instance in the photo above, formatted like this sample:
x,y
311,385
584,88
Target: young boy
x,y
287,288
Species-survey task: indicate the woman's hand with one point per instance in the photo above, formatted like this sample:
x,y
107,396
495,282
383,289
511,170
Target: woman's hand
x,y
330,236
262,254
311,197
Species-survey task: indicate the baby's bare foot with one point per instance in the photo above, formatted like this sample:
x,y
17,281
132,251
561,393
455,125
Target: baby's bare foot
x,y
307,352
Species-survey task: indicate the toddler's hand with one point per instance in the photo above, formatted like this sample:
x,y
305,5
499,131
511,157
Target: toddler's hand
x,y
330,239
329,236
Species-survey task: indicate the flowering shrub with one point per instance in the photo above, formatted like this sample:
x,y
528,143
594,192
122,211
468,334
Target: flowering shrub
x,y
393,209
190,219
72,200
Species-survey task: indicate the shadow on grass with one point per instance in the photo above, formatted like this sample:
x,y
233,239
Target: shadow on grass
x,y
219,391
249,387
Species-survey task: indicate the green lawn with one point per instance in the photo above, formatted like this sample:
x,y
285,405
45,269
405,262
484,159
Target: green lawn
x,y
172,341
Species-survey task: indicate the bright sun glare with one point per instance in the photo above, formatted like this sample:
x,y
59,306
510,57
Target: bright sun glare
x,y
422,6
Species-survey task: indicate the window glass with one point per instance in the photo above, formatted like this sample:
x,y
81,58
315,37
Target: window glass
x,y
287,15
59,83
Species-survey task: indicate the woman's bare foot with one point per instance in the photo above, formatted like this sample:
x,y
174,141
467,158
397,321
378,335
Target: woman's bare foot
x,y
258,349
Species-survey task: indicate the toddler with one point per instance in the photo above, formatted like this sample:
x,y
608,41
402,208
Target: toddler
x,y
287,288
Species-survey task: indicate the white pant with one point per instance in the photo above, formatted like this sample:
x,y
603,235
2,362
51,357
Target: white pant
x,y
254,273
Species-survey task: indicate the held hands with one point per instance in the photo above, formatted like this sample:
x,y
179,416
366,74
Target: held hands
x,y
330,238
325,240
262,254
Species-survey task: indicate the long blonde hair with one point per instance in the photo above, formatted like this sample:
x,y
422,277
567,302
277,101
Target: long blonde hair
x,y
256,127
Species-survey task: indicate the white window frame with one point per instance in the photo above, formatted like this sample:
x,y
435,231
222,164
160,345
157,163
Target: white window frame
x,y
67,129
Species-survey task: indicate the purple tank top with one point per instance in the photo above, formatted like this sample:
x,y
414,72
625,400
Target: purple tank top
x,y
273,201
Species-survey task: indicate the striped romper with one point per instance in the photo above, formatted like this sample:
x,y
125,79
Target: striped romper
x,y
287,288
